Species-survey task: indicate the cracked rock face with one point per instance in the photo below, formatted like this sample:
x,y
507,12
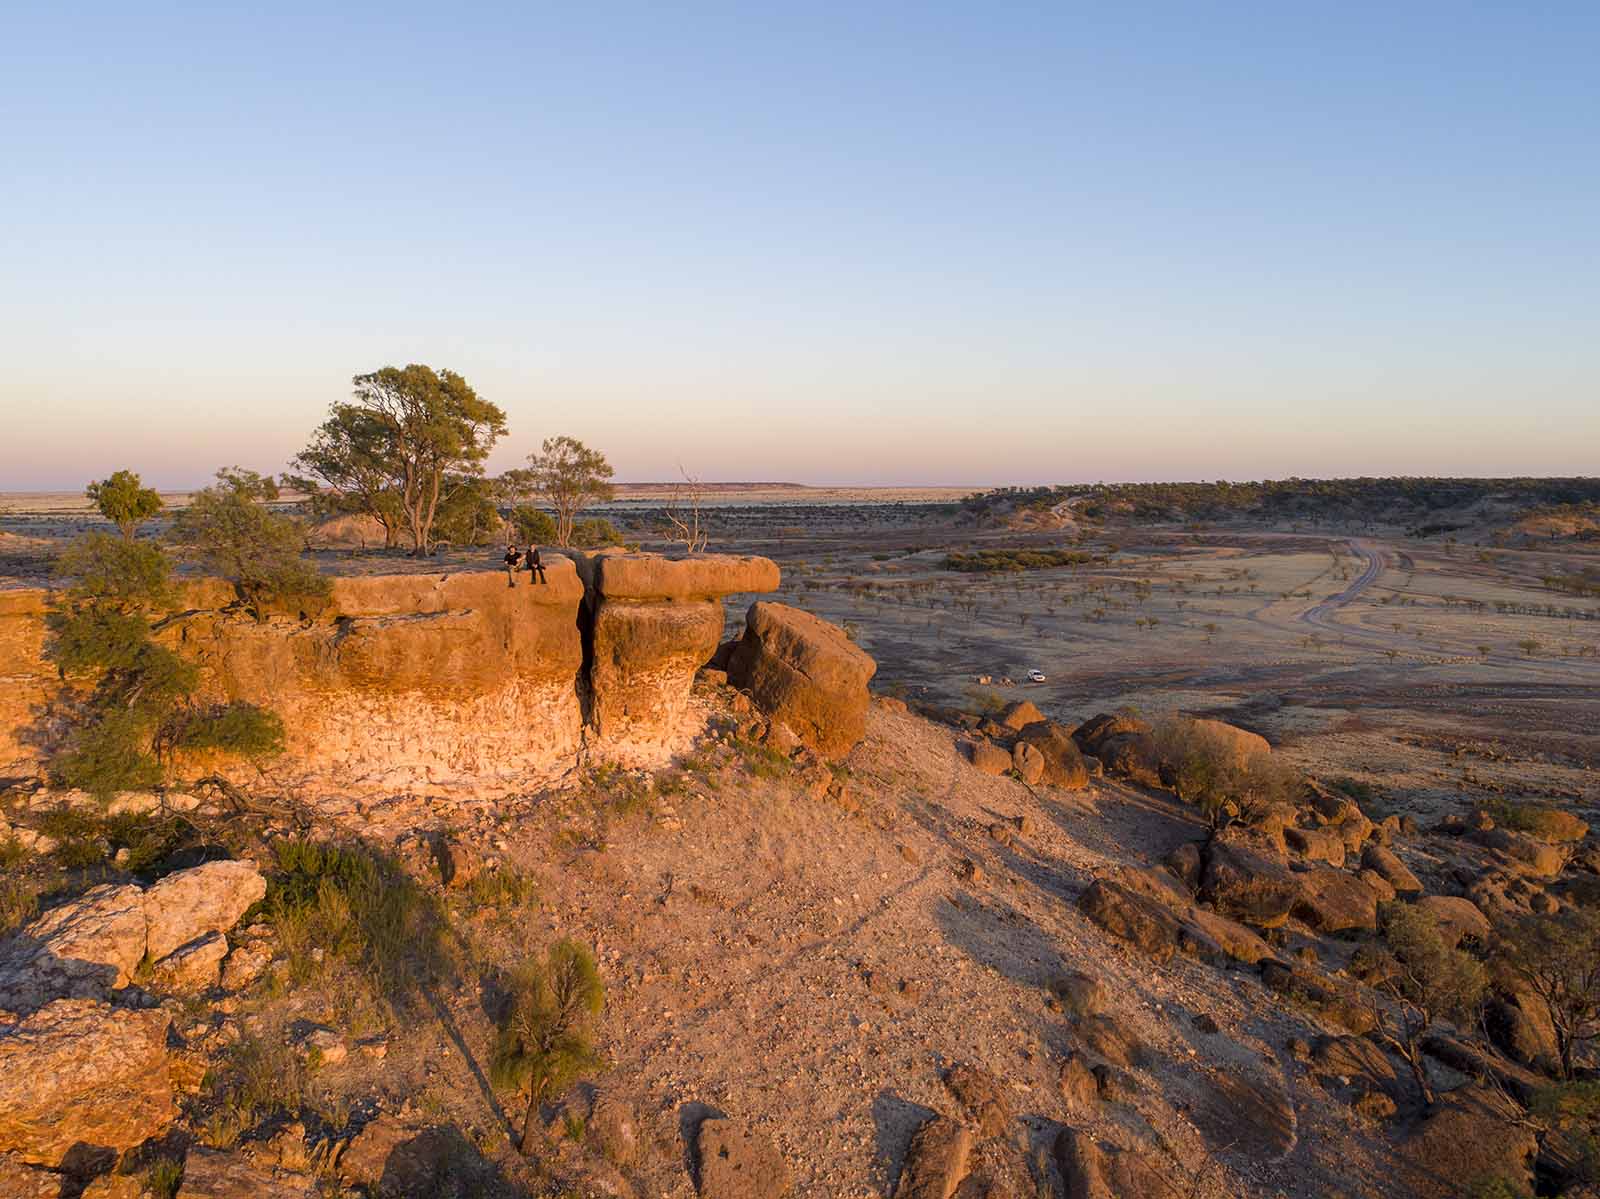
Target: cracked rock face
x,y
655,622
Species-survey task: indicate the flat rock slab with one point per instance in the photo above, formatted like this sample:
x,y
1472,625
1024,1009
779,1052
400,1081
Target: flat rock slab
x,y
738,1162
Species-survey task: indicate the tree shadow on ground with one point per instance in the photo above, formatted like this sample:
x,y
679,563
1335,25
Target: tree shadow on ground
x,y
441,1163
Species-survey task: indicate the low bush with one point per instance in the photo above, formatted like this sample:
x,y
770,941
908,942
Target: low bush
x,y
361,910
1205,768
993,561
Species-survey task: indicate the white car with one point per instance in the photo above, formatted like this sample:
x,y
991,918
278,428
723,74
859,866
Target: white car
x,y
1035,676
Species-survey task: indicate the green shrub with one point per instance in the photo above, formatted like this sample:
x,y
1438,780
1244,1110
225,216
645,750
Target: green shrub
x,y
137,709
237,728
595,533
360,908
533,526
256,1077
1012,560
1205,768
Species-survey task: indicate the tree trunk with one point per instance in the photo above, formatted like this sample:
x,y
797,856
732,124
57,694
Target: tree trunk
x,y
530,1122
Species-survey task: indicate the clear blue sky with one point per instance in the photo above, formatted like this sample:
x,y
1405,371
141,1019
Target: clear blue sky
x,y
870,243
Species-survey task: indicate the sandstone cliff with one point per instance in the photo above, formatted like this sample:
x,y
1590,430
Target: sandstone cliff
x,y
435,683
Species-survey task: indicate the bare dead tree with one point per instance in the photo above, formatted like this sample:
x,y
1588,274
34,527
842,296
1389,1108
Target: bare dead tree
x,y
683,520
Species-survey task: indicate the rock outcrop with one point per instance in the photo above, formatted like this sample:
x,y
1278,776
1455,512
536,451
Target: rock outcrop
x,y
92,945
655,621
81,1076
430,684
806,674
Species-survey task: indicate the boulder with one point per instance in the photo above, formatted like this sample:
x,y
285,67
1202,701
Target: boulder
x,y
1080,1086
1332,901
1473,1133
216,1174
1028,762
1391,869
613,1130
982,1096
937,1160
1105,1038
655,577
1063,762
1136,919
645,658
1019,715
1131,756
807,673
1458,919
1359,1063
739,1162
1094,732
79,1074
1529,855
1245,878
1316,845
988,757
1519,1023
189,903
1081,994
85,947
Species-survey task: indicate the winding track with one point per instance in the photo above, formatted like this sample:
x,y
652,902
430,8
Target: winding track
x,y
1320,615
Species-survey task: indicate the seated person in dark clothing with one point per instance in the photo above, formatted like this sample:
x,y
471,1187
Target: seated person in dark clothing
x,y
511,559
535,566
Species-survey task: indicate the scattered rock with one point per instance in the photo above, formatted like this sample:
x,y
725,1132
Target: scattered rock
x,y
1093,1171
215,1174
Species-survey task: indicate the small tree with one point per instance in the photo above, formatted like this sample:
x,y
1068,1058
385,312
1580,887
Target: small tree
x,y
124,500
230,528
1557,958
567,475
128,696
545,1037
1424,980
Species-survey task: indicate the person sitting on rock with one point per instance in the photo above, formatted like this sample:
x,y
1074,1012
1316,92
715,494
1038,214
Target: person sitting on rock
x,y
535,566
511,559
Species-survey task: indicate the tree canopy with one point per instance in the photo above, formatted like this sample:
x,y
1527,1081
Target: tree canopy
x,y
411,439
124,500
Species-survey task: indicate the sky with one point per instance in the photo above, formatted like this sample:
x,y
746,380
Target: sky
x,y
831,243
